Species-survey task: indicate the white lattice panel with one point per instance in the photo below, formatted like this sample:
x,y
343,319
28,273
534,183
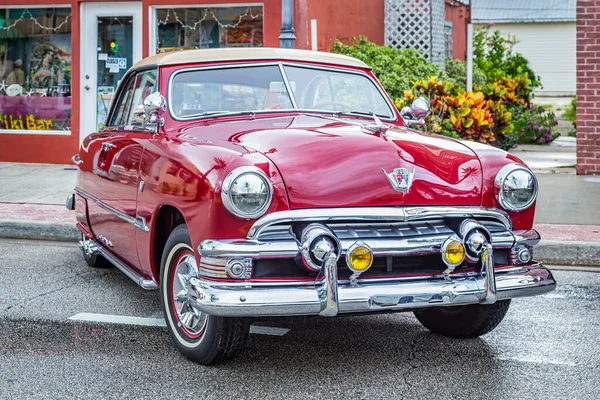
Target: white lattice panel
x,y
416,24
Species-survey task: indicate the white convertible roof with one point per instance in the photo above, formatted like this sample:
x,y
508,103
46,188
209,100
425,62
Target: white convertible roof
x,y
249,53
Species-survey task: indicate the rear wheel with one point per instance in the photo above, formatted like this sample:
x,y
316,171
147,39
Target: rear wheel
x,y
463,321
202,338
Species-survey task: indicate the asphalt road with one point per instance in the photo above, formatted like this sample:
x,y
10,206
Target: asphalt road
x,y
546,348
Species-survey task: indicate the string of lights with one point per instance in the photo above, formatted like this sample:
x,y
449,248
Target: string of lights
x,y
247,13
23,17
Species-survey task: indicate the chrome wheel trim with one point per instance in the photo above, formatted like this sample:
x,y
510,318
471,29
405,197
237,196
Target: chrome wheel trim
x,y
189,319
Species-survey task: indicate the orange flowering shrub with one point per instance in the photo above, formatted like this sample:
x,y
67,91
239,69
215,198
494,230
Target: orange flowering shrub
x,y
454,112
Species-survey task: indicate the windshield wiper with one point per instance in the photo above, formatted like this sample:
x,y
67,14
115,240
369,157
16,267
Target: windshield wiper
x,y
365,113
215,113
377,126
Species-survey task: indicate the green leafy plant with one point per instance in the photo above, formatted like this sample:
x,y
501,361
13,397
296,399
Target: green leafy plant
x,y
456,70
571,111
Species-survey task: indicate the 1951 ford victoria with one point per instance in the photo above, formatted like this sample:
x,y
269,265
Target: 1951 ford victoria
x,y
265,182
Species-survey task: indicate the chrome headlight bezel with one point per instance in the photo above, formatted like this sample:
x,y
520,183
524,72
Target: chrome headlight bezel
x,y
500,180
232,177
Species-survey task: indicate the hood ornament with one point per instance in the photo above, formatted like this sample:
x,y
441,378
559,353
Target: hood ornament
x,y
400,178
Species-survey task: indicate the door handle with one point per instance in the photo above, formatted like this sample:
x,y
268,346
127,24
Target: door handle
x,y
107,146
76,159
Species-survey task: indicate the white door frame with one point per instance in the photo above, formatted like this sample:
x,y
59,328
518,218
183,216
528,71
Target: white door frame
x,y
89,12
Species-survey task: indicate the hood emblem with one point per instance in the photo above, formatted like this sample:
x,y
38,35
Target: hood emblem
x,y
400,178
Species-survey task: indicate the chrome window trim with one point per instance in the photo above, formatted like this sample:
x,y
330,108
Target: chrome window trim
x,y
288,86
398,214
131,74
281,65
138,222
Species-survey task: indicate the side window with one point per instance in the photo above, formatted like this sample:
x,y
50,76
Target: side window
x,y
145,84
119,117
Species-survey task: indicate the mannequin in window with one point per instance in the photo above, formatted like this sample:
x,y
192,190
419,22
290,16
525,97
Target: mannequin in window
x,y
17,76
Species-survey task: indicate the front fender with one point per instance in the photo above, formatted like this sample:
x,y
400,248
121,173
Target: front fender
x,y
188,177
492,160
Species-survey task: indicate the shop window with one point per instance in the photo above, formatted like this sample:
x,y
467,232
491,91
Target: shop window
x,y
209,27
35,69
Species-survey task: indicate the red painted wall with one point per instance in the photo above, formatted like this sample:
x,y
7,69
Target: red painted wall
x,y
459,14
340,20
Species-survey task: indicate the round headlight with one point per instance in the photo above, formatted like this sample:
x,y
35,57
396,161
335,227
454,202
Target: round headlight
x,y
247,192
515,187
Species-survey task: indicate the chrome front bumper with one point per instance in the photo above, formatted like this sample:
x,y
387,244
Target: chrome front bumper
x,y
388,231
302,298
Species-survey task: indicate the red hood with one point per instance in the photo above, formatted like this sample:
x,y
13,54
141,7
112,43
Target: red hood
x,y
328,163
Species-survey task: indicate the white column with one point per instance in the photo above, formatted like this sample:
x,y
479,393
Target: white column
x,y
469,57
313,34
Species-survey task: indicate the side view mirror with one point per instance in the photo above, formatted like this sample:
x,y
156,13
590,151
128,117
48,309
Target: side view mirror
x,y
417,112
150,111
154,104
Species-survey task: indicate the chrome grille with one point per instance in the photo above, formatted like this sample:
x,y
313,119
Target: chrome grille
x,y
381,230
389,230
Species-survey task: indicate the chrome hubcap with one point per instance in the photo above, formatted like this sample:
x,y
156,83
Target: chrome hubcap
x,y
190,318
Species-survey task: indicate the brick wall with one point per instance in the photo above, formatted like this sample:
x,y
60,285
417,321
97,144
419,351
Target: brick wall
x,y
588,87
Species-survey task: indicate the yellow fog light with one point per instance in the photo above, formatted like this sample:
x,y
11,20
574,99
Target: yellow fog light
x,y
359,257
453,252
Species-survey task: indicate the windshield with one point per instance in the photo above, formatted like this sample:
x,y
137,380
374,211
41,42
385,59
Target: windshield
x,y
203,92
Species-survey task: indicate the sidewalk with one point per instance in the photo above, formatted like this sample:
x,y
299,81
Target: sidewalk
x,y
32,198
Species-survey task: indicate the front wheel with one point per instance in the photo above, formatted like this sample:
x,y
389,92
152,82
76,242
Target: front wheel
x,y
463,321
202,338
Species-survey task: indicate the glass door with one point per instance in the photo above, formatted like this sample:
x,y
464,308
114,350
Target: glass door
x,y
115,56
109,47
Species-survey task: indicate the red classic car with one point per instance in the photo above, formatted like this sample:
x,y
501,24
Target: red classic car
x,y
249,183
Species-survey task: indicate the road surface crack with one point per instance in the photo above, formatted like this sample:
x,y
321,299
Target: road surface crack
x,y
412,359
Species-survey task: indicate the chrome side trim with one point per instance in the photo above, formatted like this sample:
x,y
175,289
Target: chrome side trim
x,y
138,222
92,247
388,214
223,299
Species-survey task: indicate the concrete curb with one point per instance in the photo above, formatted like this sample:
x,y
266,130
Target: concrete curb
x,y
568,253
547,251
39,230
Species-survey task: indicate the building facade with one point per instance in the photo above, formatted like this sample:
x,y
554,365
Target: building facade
x,y
60,62
545,35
